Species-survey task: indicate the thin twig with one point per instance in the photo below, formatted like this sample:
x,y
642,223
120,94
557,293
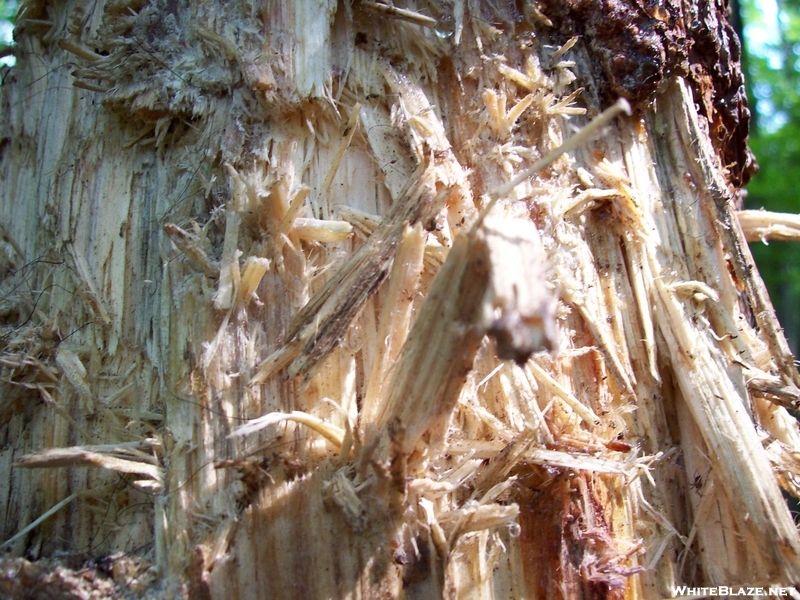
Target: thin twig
x,y
43,518
401,13
583,136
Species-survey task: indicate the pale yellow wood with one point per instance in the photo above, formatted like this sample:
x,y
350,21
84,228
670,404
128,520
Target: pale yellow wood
x,y
259,262
762,225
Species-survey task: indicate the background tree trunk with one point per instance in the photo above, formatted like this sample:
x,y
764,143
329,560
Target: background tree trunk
x,y
216,212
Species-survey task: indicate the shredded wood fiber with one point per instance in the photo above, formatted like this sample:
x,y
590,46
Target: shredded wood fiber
x,y
322,293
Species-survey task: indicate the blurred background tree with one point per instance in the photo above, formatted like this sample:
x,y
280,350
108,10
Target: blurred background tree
x,y
772,63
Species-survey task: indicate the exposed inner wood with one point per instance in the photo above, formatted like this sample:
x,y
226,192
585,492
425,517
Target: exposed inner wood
x,y
270,330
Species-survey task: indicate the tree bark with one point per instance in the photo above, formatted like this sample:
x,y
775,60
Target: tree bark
x,y
276,325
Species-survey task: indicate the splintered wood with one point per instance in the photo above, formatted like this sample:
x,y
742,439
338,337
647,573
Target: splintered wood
x,y
354,300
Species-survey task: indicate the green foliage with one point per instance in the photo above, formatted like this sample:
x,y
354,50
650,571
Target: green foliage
x,y
7,11
777,185
774,89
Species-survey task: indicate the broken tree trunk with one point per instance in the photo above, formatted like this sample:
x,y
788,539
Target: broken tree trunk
x,y
277,325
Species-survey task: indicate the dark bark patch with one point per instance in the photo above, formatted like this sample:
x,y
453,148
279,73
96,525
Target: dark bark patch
x,y
635,45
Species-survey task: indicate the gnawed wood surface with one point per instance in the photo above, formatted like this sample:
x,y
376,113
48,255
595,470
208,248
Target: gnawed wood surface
x,y
247,292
